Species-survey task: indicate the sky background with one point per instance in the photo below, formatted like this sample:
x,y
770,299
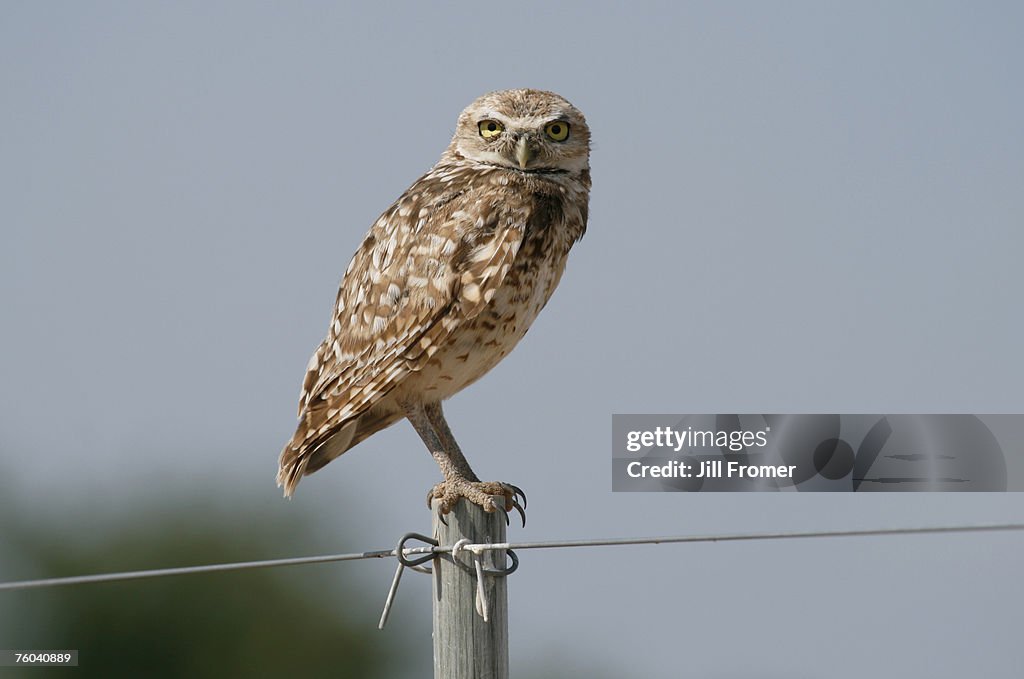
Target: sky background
x,y
797,207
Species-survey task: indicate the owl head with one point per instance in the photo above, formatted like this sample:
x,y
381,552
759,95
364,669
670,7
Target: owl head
x,y
524,130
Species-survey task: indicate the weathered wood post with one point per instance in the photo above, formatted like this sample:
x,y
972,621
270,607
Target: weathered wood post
x,y
465,646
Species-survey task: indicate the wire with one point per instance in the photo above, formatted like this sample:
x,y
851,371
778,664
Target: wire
x,y
609,542
185,570
600,542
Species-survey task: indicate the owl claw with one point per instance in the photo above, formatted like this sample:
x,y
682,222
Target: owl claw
x,y
518,493
481,493
522,513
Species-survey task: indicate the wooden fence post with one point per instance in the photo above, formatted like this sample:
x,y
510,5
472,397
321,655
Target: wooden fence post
x,y
465,646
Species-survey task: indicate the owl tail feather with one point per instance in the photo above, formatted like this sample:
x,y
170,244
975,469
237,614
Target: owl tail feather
x,y
304,455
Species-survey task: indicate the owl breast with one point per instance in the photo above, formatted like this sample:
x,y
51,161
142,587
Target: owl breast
x,y
480,344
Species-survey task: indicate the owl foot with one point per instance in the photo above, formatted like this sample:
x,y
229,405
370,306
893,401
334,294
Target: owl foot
x,y
479,493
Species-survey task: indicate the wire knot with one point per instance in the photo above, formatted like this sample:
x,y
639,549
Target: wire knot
x,y
452,554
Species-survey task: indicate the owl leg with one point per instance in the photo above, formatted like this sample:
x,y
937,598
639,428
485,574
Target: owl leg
x,y
435,418
517,499
459,479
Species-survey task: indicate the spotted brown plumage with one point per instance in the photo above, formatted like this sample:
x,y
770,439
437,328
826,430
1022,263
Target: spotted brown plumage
x,y
446,283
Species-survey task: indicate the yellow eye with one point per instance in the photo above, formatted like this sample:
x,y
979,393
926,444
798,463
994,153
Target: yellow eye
x,y
489,129
558,130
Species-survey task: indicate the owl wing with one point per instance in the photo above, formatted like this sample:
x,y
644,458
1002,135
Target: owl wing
x,y
430,263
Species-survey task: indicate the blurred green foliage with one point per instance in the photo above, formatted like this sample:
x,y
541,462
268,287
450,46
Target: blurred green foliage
x,y
264,623
298,621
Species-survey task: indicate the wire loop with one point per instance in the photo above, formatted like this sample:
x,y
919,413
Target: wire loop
x,y
413,563
493,572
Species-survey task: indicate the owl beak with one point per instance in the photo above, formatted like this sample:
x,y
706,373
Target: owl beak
x,y
522,153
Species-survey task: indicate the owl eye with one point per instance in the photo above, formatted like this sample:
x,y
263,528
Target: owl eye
x,y
558,130
489,129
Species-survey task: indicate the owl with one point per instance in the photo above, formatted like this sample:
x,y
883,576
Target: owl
x,y
445,284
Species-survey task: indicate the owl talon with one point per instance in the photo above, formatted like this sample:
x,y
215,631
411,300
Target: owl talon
x,y
522,513
481,493
518,494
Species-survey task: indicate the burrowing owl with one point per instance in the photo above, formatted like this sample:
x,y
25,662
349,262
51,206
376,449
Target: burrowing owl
x,y
446,283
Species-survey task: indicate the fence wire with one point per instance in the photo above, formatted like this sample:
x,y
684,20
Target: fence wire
x,y
476,548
